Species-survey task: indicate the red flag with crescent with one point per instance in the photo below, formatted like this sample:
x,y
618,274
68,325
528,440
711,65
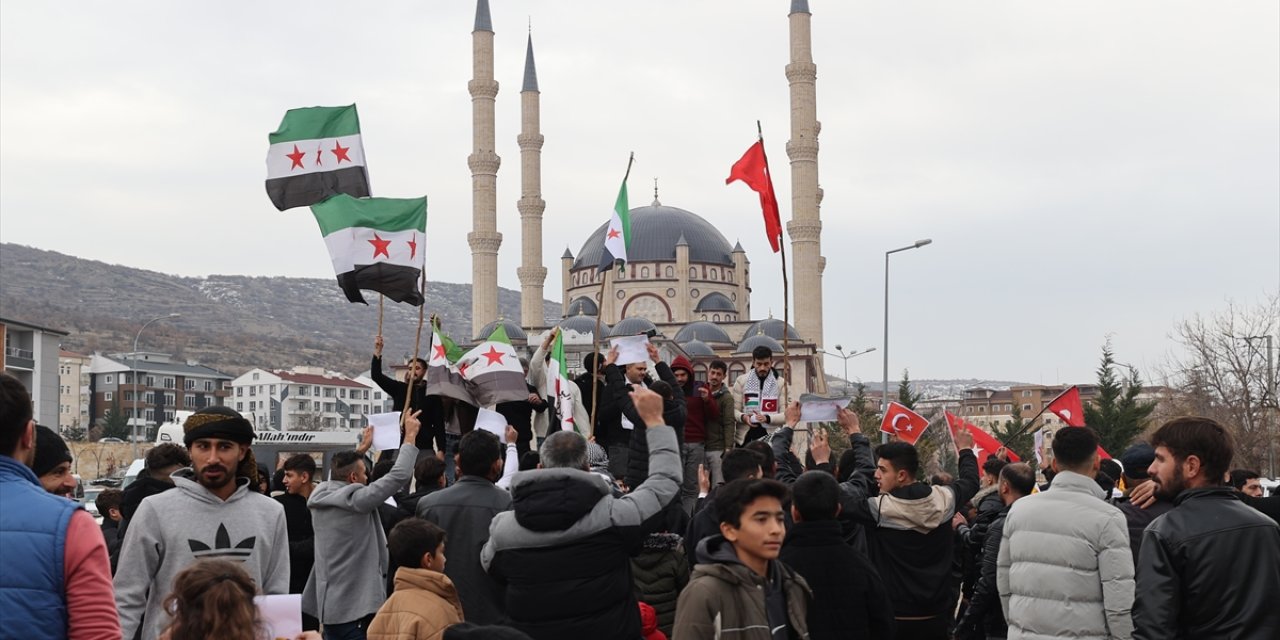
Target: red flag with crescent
x,y
1067,407
984,444
904,423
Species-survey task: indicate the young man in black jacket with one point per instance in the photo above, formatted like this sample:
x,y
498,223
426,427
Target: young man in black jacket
x,y
908,526
984,619
849,600
431,436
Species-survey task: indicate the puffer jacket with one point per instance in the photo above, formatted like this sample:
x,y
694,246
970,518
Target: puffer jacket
x,y
725,599
563,550
1064,568
660,572
423,606
1210,568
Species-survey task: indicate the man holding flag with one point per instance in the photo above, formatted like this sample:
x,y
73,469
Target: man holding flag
x,y
549,371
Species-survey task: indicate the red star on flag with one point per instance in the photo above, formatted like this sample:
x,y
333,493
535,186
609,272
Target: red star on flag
x,y
413,246
340,151
440,351
614,233
380,246
296,157
494,356
462,368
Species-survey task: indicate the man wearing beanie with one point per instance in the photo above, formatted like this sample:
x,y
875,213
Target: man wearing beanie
x,y
213,512
52,463
55,579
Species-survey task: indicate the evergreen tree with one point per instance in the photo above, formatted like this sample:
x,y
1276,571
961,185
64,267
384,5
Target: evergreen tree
x,y
114,422
1116,413
906,396
868,416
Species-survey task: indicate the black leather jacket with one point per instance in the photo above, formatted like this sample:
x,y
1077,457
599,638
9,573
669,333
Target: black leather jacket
x,y
1210,568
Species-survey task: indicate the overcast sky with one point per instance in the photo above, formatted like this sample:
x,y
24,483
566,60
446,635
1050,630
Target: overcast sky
x,y
1084,169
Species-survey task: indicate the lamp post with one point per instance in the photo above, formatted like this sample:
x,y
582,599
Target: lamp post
x,y
845,356
133,424
1269,401
884,391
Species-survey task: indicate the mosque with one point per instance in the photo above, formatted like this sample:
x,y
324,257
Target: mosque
x,y
682,280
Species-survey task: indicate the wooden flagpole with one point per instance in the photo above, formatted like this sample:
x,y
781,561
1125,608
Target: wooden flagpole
x,y
595,337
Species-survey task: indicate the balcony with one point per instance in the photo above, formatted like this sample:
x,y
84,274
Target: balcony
x,y
16,358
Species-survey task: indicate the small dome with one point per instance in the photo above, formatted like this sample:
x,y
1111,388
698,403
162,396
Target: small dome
x,y
633,326
715,301
514,332
748,345
583,324
771,327
697,349
703,331
583,306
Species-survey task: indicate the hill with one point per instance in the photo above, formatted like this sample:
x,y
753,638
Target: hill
x,y
231,323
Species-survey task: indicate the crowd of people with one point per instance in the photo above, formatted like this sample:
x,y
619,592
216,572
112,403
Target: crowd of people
x,y
687,510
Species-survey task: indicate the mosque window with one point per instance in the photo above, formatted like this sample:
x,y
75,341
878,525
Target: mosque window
x,y
728,275
715,274
644,272
715,318
671,293
671,272
694,292
693,272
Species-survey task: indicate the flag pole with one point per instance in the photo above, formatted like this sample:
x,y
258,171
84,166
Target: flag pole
x,y
595,337
1026,426
786,296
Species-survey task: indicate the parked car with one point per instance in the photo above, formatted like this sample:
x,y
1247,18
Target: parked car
x,y
111,441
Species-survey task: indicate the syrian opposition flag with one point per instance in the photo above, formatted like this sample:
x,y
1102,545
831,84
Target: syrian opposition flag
x,y
904,423
1067,406
753,169
493,372
984,444
316,153
375,244
558,382
617,236
443,378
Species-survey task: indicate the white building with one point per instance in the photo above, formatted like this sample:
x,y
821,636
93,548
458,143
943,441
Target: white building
x,y
304,399
73,390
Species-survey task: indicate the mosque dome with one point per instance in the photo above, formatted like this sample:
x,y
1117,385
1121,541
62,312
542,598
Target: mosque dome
x,y
583,324
771,327
697,349
633,326
715,301
583,306
703,331
751,343
655,230
514,332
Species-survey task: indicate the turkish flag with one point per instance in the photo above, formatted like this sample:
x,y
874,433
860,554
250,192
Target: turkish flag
x,y
753,169
985,445
904,423
1067,406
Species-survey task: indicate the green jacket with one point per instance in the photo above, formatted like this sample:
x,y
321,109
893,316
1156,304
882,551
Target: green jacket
x,y
720,433
726,600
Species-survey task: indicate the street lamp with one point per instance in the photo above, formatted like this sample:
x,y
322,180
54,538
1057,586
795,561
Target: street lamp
x,y
884,391
845,356
133,424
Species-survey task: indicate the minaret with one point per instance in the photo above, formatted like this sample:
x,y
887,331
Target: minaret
x,y
805,227
531,205
566,263
484,237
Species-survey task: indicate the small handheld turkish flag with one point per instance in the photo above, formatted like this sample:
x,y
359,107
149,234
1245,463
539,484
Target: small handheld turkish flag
x,y
1067,406
984,444
904,423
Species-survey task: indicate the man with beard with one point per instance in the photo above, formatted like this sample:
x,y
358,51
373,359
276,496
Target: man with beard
x,y
1210,568
757,398
212,513
52,463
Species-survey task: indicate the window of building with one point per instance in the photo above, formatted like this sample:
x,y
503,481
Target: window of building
x,y
330,407
315,391
377,395
1026,407
273,389
366,394
107,396
253,391
109,379
189,401
1026,393
342,393
168,415
149,415
239,392
208,385
189,384
168,383
329,392
149,397
304,390
671,272
255,376
253,405
169,400
981,409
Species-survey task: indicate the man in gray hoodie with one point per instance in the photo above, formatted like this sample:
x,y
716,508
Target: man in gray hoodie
x,y
211,513
349,580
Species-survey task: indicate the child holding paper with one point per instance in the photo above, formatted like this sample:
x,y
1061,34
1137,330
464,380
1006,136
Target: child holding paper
x,y
214,599
425,602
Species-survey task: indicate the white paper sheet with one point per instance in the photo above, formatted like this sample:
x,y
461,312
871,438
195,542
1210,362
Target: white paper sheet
x,y
631,349
386,430
281,615
815,408
493,422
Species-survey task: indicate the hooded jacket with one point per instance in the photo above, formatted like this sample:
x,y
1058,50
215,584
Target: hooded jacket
x,y
1064,568
1210,568
661,571
699,411
563,550
349,581
172,530
423,606
849,600
725,599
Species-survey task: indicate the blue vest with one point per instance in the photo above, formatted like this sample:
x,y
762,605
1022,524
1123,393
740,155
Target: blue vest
x,y
33,531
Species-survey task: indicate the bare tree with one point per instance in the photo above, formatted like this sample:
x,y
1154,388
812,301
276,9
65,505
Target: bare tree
x,y
1222,373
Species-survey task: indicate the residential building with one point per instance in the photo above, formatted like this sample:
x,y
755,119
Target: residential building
x,y
31,356
73,390
149,388
303,399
